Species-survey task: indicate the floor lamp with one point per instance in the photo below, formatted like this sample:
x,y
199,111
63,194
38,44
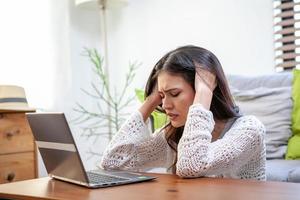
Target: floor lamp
x,y
102,6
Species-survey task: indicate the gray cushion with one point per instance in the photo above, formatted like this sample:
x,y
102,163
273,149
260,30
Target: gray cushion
x,y
269,81
283,170
271,103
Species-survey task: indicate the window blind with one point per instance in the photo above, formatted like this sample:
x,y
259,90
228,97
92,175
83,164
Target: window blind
x,y
287,34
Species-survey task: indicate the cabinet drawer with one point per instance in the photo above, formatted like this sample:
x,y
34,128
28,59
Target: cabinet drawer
x,y
15,133
17,167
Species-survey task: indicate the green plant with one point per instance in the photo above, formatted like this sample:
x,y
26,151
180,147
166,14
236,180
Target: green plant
x,y
111,106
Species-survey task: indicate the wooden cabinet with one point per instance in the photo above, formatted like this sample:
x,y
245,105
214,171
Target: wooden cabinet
x,y
18,159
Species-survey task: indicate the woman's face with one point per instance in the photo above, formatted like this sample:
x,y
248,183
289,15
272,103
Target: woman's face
x,y
177,96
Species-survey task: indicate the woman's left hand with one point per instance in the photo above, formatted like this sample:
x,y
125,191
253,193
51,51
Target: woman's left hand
x,y
205,83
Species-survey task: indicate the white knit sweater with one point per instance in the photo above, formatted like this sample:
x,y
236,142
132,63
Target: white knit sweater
x,y
239,154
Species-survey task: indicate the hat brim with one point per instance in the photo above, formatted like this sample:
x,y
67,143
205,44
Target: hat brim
x,y
16,108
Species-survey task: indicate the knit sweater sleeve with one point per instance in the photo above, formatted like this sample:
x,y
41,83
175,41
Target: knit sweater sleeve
x,y
134,148
198,156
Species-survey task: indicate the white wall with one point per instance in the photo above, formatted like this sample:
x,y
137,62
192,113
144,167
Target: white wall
x,y
239,32
75,29
41,43
26,56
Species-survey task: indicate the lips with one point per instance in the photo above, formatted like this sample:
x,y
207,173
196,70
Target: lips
x,y
172,116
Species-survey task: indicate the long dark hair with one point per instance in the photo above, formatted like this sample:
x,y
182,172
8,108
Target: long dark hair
x,y
183,61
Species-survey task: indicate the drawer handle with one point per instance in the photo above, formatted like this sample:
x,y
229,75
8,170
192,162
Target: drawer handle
x,y
12,133
9,135
10,177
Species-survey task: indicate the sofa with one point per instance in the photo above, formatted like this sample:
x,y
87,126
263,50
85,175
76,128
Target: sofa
x,y
269,98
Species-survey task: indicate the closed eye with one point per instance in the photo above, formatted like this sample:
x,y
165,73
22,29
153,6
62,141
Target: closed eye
x,y
175,94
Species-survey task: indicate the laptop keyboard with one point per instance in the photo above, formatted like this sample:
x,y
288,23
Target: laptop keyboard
x,y
104,178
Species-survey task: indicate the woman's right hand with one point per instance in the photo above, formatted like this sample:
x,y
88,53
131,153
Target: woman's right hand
x,y
150,103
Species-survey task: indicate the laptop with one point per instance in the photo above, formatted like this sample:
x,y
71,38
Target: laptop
x,y
61,157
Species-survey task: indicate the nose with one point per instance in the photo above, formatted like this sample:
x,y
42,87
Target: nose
x,y
167,104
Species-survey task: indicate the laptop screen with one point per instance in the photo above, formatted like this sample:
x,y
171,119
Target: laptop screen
x,y
56,145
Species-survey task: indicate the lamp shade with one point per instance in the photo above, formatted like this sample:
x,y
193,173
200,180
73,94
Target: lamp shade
x,y
94,4
87,4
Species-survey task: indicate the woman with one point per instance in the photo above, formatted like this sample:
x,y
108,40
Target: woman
x,y
205,136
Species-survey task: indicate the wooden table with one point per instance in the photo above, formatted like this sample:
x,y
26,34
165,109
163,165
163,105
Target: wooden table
x,y
167,187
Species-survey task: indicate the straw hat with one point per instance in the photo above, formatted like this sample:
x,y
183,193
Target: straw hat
x,y
13,99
